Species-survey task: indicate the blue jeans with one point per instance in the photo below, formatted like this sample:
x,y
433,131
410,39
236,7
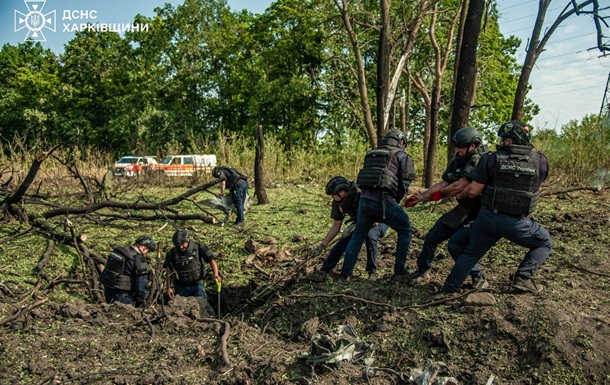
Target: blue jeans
x,y
125,297
440,232
489,228
369,212
372,242
238,194
194,290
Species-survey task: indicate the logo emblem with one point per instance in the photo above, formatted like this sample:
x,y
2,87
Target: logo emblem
x,y
35,20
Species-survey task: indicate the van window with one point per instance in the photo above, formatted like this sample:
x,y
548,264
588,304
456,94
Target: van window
x,y
176,160
188,160
166,160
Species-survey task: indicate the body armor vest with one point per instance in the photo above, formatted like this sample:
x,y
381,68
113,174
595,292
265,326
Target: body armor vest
x,y
349,204
233,176
114,277
467,208
376,172
189,267
514,187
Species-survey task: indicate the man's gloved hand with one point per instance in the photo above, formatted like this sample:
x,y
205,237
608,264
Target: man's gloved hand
x,y
436,196
411,201
317,250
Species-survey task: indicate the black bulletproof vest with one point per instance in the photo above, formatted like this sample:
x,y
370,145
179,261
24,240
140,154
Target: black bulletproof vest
x,y
113,276
376,173
513,189
233,176
189,267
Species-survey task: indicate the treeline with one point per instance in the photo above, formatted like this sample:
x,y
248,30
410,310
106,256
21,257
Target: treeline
x,y
202,71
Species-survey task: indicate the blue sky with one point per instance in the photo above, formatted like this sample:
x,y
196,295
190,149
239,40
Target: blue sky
x,y
568,82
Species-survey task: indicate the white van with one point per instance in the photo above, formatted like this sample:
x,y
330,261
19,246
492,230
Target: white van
x,y
185,165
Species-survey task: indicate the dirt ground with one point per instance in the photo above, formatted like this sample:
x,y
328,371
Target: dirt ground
x,y
561,336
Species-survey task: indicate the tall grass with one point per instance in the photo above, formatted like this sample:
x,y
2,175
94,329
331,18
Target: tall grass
x,y
579,154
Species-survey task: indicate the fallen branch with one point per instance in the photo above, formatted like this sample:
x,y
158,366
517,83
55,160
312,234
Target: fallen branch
x,y
23,187
130,206
588,271
23,309
572,189
448,299
45,259
223,339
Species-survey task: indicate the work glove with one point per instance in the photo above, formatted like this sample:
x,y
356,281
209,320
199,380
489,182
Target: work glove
x,y
317,250
436,196
348,230
411,201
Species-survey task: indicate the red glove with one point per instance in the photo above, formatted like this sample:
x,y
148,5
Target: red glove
x,y
436,196
411,201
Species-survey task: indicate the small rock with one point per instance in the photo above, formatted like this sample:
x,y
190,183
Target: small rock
x,y
480,299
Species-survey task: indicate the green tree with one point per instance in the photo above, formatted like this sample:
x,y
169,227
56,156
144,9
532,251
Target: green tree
x,y
97,79
29,89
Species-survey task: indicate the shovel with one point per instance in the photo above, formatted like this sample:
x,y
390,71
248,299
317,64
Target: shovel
x,y
218,285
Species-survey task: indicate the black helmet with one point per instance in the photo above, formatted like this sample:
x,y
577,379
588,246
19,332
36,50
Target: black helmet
x,y
147,241
466,136
216,172
180,237
336,184
397,135
516,130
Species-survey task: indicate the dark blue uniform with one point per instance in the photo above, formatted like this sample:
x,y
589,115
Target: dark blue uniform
x,y
497,219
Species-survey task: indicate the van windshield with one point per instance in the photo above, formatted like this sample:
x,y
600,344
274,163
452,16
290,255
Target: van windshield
x,y
127,159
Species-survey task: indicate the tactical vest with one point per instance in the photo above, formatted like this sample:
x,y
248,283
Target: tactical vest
x,y
376,172
113,276
513,189
349,204
233,176
467,208
462,166
189,267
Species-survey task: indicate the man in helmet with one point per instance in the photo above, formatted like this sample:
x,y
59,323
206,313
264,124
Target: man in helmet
x,y
456,222
126,273
346,196
508,184
384,180
185,264
237,183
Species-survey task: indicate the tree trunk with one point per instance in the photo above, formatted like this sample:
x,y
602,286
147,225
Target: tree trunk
x,y
383,68
343,7
467,67
458,47
259,184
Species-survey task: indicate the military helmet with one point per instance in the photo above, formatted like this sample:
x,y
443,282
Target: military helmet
x,y
147,241
466,136
180,237
397,135
516,130
336,184
216,172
